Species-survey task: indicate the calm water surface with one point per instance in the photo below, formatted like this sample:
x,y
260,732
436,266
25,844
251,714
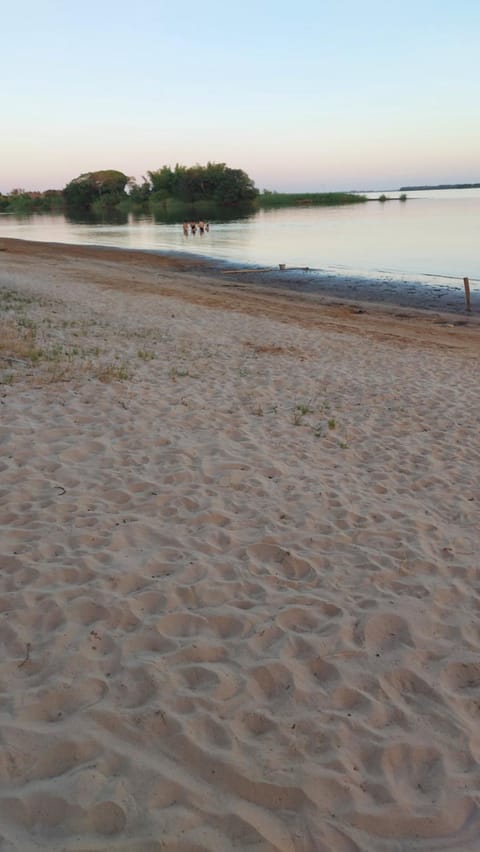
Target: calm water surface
x,y
431,238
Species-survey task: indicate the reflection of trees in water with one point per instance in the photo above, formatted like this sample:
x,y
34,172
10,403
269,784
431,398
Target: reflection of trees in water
x,y
161,214
89,216
171,213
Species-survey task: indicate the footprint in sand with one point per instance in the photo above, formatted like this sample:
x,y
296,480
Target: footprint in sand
x,y
271,559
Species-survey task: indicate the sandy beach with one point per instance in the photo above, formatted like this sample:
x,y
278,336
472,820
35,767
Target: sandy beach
x,y
239,587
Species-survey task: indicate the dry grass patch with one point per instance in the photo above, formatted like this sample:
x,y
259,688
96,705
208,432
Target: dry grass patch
x,y
22,359
38,346
18,343
271,349
110,372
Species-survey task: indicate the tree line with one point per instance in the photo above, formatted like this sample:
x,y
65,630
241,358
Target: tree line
x,y
175,193
104,190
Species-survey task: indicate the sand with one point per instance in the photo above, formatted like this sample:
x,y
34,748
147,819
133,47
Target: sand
x,y
239,576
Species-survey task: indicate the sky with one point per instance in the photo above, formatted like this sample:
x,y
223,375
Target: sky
x,y
305,95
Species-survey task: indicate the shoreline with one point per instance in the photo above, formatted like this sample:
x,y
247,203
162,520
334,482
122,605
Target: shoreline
x,y
202,282
239,582
381,291
388,290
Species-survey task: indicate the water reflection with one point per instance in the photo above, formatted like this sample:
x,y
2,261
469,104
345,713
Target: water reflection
x,y
170,214
81,216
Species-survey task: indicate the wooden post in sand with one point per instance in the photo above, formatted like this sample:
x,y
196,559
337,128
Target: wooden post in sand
x,y
466,284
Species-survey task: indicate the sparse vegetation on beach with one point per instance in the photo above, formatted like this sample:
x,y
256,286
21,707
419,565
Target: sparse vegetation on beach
x,y
113,372
29,348
146,355
178,373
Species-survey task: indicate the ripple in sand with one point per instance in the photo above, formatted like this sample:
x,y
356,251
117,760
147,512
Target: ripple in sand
x,y
182,625
58,703
413,771
199,678
87,611
274,680
228,626
258,723
298,619
386,632
107,818
462,676
132,688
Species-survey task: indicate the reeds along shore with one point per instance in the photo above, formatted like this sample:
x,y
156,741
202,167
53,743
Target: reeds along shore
x,y
239,565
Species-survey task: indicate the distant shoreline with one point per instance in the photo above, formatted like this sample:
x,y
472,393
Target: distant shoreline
x,y
440,186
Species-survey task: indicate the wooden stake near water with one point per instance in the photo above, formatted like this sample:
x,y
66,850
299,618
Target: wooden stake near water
x,y
466,284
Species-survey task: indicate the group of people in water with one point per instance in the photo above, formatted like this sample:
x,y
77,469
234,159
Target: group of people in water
x,y
193,227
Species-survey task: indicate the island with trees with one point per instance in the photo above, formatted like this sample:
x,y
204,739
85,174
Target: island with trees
x,y
169,194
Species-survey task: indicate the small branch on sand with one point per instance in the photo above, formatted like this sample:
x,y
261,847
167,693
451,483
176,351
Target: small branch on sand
x,y
27,656
247,269
343,654
14,360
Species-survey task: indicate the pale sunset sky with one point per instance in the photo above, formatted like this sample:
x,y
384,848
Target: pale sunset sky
x,y
307,95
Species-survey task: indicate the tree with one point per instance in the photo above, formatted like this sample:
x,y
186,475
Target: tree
x,y
162,181
139,193
214,182
107,186
234,186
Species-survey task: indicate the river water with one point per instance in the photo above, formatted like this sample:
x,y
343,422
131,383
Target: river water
x,y
431,239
